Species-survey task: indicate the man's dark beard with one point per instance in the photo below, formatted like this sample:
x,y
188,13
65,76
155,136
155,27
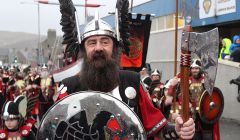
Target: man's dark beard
x,y
196,76
100,73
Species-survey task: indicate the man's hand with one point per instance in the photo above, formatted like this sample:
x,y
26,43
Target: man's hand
x,y
174,81
185,130
168,100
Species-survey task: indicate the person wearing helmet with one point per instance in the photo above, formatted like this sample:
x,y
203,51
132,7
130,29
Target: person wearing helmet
x,y
157,93
145,78
46,92
156,80
196,75
196,80
15,127
33,89
101,72
156,75
204,131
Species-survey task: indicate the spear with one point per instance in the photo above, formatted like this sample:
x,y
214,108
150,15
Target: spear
x,y
175,53
131,5
80,5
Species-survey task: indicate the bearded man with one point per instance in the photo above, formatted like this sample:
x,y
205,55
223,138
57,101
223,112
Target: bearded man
x,y
101,72
204,131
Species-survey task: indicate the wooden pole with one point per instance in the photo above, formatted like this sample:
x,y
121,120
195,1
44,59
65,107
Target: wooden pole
x,y
175,53
131,5
176,39
86,11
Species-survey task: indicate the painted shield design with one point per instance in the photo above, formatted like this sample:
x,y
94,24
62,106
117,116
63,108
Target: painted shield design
x,y
90,116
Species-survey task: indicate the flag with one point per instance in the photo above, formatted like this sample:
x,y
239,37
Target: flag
x,y
139,36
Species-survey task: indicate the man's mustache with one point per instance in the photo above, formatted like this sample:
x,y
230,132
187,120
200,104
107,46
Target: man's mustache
x,y
97,55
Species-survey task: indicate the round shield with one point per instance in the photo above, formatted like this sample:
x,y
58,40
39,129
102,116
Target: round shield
x,y
211,106
90,116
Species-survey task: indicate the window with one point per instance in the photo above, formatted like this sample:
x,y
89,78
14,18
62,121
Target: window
x,y
169,21
154,24
161,24
166,22
180,22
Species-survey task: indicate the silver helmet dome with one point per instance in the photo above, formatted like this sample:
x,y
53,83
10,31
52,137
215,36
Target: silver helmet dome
x,y
196,64
97,27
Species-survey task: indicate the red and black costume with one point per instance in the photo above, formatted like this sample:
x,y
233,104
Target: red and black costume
x,y
22,133
46,95
5,81
33,90
23,129
204,131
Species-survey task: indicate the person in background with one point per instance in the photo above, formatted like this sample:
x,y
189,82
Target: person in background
x,y
156,80
156,92
235,56
235,43
225,50
204,131
16,126
145,78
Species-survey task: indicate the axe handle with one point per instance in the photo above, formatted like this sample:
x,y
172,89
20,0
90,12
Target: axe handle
x,y
184,83
185,92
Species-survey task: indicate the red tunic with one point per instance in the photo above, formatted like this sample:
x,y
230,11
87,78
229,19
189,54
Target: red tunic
x,y
172,91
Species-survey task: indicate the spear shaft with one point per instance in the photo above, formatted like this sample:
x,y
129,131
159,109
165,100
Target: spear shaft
x,y
175,53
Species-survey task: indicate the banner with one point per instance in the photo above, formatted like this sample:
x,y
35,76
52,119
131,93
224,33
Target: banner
x,y
207,8
211,8
226,7
139,36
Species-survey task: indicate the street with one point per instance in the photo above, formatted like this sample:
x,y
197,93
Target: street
x,y
229,129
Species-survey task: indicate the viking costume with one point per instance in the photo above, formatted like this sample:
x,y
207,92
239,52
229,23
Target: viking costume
x,y
11,88
47,91
146,79
205,130
155,83
152,119
157,92
32,92
20,84
91,115
16,110
5,82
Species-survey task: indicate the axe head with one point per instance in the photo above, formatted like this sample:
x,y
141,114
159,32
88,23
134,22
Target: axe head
x,y
204,46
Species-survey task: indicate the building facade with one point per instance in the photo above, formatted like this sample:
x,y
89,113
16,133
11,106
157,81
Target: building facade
x,y
224,14
206,15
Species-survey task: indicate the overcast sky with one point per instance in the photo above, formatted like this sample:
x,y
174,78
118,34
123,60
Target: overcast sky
x,y
19,17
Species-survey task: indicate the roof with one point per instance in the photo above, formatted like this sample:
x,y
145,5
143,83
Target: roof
x,y
157,7
193,9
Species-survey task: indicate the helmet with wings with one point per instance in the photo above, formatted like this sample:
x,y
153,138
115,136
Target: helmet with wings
x,y
73,38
